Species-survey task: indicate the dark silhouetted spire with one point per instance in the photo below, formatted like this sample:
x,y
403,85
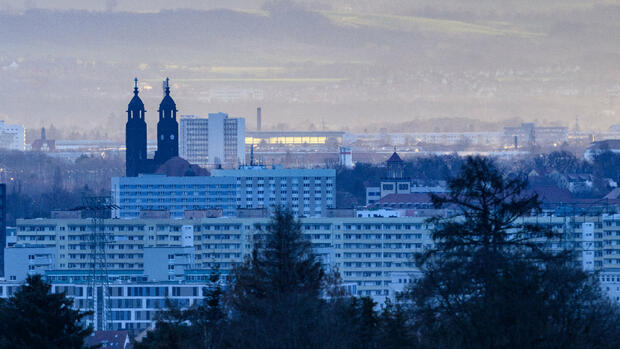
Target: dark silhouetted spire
x,y
167,128
135,135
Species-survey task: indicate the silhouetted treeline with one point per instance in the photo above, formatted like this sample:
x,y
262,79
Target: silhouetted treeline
x,y
35,318
38,183
352,183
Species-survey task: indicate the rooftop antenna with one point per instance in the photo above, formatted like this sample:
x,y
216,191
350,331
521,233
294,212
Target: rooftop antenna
x,y
577,124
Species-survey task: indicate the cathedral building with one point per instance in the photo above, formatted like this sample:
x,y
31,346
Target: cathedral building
x,y
136,161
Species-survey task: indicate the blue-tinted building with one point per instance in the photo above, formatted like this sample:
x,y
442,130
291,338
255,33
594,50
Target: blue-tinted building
x,y
173,194
2,226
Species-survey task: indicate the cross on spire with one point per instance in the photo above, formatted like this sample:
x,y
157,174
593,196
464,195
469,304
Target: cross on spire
x,y
135,85
167,86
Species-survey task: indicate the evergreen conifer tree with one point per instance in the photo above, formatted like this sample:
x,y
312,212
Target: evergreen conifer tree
x,y
490,282
276,293
35,318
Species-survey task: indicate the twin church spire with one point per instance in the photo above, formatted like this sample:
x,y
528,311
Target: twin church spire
x,y
135,134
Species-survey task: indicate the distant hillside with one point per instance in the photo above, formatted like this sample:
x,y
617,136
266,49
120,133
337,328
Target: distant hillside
x,y
340,62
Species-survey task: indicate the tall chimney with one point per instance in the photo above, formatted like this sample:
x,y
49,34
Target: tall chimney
x,y
258,119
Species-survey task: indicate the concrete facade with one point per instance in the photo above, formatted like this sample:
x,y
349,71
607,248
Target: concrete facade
x,y
213,142
12,137
307,192
174,194
366,251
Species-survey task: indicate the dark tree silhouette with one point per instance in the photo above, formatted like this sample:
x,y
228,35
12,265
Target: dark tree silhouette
x,y
201,326
486,282
276,293
35,318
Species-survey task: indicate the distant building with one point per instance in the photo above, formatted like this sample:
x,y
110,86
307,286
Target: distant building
x,y
167,263
294,138
482,139
218,141
307,192
377,213
529,135
366,250
43,144
133,305
395,182
135,134
11,238
108,339
3,205
28,260
599,147
346,157
173,194
12,137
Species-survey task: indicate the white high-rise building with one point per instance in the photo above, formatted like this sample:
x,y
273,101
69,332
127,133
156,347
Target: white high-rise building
x,y
12,137
213,142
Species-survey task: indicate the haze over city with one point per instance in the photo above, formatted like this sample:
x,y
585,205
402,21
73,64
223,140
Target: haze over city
x,y
342,65
299,174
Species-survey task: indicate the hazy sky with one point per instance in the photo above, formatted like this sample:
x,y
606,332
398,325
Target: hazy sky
x,y
400,64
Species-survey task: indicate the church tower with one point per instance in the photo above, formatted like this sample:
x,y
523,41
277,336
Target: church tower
x,y
167,128
135,135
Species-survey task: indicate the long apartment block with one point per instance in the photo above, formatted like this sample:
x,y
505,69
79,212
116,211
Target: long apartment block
x,y
131,306
367,252
306,192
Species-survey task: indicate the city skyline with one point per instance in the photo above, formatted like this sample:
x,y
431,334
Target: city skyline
x,y
342,174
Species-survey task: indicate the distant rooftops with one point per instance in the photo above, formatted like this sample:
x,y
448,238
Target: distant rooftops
x,y
108,339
